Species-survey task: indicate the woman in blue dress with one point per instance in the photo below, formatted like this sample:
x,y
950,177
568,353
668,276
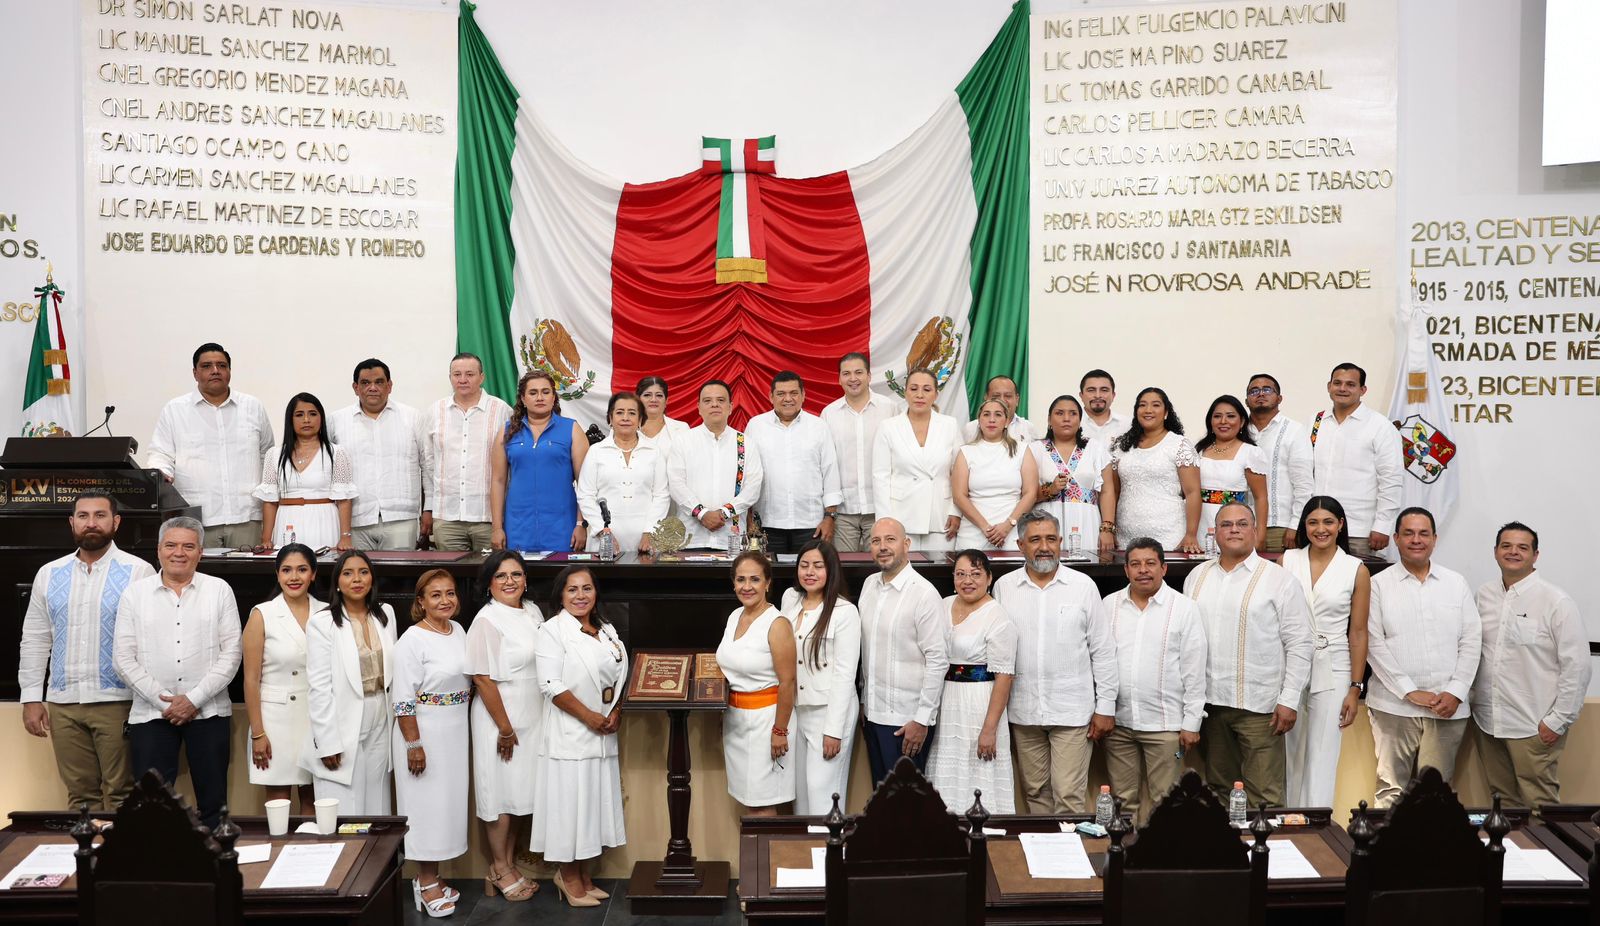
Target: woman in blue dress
x,y
533,498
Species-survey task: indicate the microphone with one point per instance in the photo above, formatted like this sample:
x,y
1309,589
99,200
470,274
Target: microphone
x,y
605,513
104,424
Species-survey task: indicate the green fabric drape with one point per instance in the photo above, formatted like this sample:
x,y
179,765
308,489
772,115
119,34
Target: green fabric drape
x,y
37,385
994,95
485,255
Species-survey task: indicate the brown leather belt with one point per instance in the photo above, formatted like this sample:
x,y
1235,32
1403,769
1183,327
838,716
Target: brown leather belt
x,y
291,502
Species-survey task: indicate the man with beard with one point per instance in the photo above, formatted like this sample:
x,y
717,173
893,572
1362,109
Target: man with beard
x,y
1097,390
69,627
1065,692
1287,453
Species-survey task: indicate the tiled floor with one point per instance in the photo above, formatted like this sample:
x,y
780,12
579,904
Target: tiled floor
x,y
546,909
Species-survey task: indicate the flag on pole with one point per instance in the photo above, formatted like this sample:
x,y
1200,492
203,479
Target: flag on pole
x,y
47,392
1419,414
741,239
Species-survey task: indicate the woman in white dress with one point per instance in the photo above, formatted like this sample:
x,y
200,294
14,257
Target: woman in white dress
x,y
1232,468
306,483
827,637
652,392
973,749
1075,479
757,656
582,668
1339,589
431,693
993,482
629,473
349,664
1156,475
506,715
911,460
275,690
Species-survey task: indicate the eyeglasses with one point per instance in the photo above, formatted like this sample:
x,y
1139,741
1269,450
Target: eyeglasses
x,y
1260,390
964,575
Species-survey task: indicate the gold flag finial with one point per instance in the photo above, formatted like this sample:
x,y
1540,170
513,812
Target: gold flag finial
x,y
49,272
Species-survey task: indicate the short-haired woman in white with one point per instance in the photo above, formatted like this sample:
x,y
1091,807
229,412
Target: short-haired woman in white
x,y
582,667
349,652
506,715
827,635
911,460
275,689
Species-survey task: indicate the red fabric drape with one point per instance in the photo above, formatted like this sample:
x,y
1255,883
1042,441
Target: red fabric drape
x,y
671,318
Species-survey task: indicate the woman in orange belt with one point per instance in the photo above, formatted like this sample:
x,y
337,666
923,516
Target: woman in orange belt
x,y
306,483
757,655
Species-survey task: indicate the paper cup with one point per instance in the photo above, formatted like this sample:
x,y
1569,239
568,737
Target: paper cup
x,y
277,817
327,815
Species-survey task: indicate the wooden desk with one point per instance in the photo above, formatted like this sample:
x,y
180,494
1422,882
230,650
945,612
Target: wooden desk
x,y
365,887
1574,824
1013,896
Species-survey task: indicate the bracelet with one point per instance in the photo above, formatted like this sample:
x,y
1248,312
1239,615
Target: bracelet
x,y
506,736
780,731
346,534
695,513
256,736
413,745
1106,529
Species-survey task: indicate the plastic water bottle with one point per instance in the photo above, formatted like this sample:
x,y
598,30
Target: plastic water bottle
x,y
734,547
1075,542
1104,807
608,547
288,534
1211,542
1238,805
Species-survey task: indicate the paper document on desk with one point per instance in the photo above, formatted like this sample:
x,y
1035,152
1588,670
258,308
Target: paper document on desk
x,y
1056,855
255,852
1285,861
815,876
303,865
51,858
1535,865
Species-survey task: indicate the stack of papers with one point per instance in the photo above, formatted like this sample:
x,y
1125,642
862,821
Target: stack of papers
x,y
1056,856
307,865
43,867
1535,865
1285,861
805,877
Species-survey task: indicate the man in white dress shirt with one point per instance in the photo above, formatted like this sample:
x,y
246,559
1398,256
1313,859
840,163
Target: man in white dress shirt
x,y
70,626
177,647
1423,642
1287,453
853,419
1532,677
209,444
903,656
1064,694
388,446
1161,670
464,432
713,472
1356,457
1003,389
1258,646
1097,390
799,469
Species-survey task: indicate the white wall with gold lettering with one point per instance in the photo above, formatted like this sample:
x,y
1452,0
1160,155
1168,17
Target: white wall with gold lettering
x,y
40,201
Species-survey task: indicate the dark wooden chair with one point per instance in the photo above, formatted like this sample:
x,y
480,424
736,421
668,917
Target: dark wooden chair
x,y
906,859
1425,863
158,866
1187,864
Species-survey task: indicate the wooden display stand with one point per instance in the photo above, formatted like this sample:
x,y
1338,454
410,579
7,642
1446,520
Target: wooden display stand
x,y
679,884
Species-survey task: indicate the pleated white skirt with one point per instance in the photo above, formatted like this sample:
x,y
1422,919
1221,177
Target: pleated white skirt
x,y
578,808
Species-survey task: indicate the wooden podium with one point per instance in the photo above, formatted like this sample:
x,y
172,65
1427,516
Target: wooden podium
x,y
679,884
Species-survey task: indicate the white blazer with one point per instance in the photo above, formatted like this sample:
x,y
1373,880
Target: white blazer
x,y
832,681
911,482
333,669
569,661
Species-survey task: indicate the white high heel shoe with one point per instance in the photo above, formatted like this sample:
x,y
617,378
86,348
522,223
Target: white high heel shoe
x,y
438,909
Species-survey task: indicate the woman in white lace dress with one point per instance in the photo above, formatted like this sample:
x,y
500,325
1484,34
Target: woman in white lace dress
x,y
1156,477
973,748
306,483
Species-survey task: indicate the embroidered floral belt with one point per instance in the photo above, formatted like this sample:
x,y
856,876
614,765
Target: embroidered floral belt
x,y
433,699
1224,497
968,673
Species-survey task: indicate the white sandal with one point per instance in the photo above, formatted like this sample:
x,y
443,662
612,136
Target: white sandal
x,y
435,908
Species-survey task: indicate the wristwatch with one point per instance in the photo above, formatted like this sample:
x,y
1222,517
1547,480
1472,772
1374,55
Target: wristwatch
x,y
1359,686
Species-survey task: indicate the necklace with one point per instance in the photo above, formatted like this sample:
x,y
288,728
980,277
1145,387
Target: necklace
x,y
428,623
302,459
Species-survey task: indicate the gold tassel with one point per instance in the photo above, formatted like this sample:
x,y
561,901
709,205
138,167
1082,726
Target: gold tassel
x,y
741,270
1416,388
55,357
59,387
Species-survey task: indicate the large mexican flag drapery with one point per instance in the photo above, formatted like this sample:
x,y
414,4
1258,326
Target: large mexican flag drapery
x,y
734,272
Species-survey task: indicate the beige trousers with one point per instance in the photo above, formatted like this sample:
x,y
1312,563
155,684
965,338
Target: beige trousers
x,y
1406,745
852,531
468,536
387,535
1053,763
1275,537
1239,745
92,752
1142,760
234,536
1522,770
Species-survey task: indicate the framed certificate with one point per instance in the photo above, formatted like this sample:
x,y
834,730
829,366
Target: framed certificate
x,y
659,677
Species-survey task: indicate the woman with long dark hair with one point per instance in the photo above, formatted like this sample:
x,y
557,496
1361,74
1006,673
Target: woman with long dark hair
x,y
1075,479
306,483
655,423
349,666
1232,467
533,499
583,666
757,656
827,636
1338,588
275,690
1156,476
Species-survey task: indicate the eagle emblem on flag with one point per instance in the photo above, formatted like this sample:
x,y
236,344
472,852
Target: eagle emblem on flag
x,y
550,349
936,348
1428,450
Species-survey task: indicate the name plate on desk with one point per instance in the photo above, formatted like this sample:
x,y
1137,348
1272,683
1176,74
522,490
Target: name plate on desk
x,y
660,677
